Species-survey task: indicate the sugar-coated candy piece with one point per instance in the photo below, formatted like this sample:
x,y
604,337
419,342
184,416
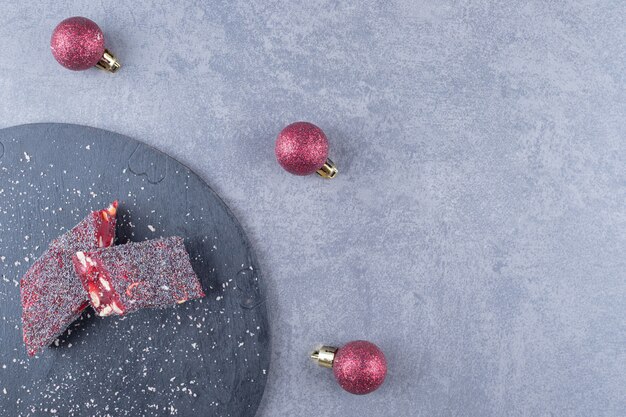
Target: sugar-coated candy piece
x,y
98,226
125,278
52,296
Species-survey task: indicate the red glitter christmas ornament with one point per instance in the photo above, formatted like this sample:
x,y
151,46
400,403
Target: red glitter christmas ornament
x,y
360,367
77,43
302,149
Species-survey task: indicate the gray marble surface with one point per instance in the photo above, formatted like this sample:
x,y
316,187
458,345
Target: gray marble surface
x,y
477,229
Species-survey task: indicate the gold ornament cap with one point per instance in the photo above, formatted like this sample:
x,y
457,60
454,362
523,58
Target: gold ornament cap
x,y
324,356
108,62
328,170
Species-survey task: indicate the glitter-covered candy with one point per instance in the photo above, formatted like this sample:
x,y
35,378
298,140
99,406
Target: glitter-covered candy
x,y
52,297
125,278
78,44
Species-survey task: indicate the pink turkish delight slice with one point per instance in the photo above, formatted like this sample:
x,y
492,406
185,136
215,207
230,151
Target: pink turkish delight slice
x,y
52,296
98,227
126,278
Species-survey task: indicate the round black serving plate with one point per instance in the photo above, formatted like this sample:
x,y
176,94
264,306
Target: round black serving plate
x,y
206,357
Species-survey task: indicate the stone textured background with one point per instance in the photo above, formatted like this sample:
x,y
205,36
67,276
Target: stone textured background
x,y
477,229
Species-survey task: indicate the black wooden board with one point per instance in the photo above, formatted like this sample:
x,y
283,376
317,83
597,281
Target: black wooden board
x,y
206,357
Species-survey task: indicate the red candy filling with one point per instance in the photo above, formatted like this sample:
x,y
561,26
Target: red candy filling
x,y
97,283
